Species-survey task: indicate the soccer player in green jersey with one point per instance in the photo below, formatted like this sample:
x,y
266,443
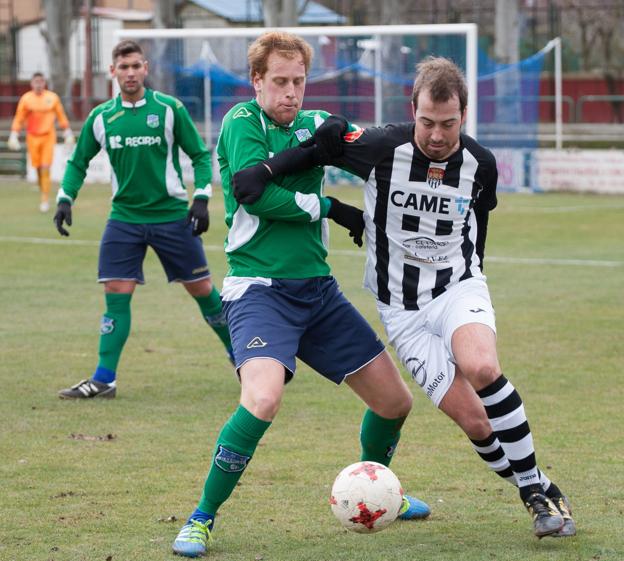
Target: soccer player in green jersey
x,y
280,299
142,131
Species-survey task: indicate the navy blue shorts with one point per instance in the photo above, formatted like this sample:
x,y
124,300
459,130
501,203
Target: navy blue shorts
x,y
310,319
123,248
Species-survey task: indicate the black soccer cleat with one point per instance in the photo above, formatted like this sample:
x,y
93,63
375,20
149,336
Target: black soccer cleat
x,y
547,519
569,526
89,388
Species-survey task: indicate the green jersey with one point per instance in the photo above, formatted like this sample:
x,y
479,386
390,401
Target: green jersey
x,y
142,141
283,234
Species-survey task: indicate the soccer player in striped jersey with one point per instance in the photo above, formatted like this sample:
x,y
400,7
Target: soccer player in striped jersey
x,y
142,130
428,192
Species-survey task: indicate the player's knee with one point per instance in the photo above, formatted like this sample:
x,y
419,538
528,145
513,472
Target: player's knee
x,y
199,288
482,373
476,428
399,406
265,406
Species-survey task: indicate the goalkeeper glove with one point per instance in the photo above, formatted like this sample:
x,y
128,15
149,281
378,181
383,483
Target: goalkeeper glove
x,y
13,142
69,137
348,217
63,214
198,216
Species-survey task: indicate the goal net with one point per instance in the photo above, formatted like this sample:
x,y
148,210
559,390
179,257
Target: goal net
x,y
365,73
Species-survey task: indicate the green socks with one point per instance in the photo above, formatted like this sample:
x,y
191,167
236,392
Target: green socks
x,y
234,448
212,311
114,329
379,437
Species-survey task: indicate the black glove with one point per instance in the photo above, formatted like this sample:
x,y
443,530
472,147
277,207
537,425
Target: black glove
x,y
248,184
348,217
328,139
198,216
63,214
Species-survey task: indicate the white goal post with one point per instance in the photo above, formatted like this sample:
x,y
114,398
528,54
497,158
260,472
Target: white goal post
x,y
369,40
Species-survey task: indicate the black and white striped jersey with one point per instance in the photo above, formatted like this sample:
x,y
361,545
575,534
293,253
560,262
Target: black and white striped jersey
x,y
426,221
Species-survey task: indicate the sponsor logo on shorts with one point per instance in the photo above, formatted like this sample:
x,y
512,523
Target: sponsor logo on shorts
x,y
152,121
418,370
435,383
229,461
200,269
477,310
303,134
256,343
107,325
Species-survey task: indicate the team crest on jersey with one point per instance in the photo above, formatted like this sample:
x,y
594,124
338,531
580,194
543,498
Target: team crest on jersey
x,y
435,175
353,135
303,134
242,112
152,121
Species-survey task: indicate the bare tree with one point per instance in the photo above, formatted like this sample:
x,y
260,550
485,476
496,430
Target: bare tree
x,y
161,77
57,31
598,31
282,13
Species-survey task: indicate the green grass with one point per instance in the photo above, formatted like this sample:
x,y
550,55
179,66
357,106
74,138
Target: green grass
x,y
62,499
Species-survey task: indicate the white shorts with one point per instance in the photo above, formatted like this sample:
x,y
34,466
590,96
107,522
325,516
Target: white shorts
x,y
422,338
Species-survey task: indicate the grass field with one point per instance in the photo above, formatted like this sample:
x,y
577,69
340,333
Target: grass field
x,y
556,272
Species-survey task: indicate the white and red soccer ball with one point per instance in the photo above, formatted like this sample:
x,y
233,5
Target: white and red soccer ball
x,y
366,497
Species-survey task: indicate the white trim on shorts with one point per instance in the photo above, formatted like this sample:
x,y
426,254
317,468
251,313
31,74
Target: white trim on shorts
x,y
422,338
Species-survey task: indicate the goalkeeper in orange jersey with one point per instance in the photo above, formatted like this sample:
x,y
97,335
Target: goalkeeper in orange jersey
x,y
38,108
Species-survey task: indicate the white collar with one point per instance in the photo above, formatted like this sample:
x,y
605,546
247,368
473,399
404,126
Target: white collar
x,y
139,103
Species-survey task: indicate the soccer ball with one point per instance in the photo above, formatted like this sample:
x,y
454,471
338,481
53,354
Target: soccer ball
x,y
366,497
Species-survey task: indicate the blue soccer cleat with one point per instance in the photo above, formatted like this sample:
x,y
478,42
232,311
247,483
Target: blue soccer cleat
x,y
193,539
413,509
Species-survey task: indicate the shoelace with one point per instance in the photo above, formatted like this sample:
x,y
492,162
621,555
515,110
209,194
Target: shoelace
x,y
197,532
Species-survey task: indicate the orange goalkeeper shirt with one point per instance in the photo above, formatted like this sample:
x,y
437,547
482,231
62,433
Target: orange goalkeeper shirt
x,y
39,112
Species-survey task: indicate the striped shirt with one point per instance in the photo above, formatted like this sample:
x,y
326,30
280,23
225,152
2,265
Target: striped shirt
x,y
426,220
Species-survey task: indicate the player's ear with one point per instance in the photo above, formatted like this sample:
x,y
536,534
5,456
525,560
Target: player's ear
x,y
257,82
463,117
146,66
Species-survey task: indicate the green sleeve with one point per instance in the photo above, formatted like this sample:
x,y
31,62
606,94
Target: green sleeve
x,y
280,204
86,149
244,145
187,137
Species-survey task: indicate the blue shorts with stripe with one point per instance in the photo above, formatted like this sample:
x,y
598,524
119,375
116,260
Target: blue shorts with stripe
x,y
124,245
306,318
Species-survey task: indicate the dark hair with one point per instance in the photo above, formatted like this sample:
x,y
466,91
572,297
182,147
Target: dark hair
x,y
126,47
283,43
37,75
443,79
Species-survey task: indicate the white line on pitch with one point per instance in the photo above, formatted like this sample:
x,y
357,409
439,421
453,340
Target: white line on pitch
x,y
345,252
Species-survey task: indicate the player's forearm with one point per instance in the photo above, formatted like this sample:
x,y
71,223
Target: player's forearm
x,y
72,181
286,206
